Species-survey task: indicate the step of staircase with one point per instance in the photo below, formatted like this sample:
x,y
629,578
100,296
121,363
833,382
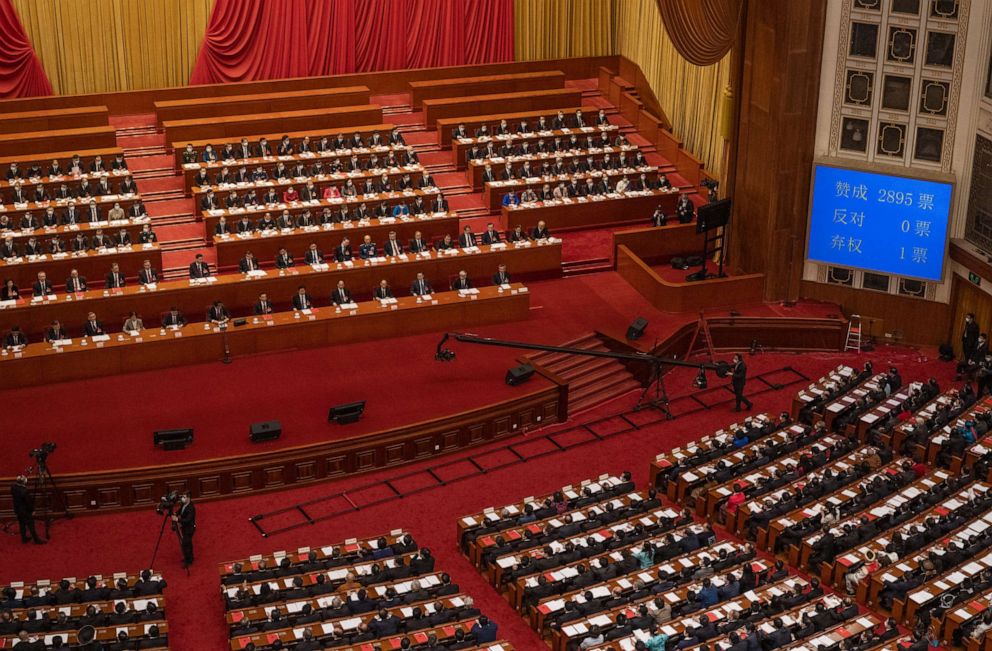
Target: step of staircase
x,y
591,380
606,393
580,267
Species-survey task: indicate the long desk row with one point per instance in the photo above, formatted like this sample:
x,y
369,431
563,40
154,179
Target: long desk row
x,y
316,140
12,226
24,144
494,192
468,107
483,85
240,292
370,201
151,348
313,163
585,212
264,245
359,180
543,163
295,100
249,125
90,264
52,119
446,126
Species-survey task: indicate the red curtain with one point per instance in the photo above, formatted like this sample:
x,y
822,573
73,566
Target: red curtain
x,y
21,74
270,39
702,31
488,31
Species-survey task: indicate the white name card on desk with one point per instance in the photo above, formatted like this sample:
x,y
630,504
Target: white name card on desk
x,y
349,306
100,338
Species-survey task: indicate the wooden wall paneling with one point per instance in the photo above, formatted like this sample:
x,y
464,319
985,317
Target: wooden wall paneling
x,y
965,298
899,313
779,88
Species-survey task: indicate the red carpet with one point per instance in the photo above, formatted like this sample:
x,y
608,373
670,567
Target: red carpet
x,y
161,162
140,142
587,245
125,541
132,121
443,157
182,258
398,99
420,137
297,387
160,184
170,207
173,232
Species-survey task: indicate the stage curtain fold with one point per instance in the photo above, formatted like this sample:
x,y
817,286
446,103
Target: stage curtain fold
x,y
380,34
435,33
331,33
489,31
253,40
146,44
21,74
558,29
701,30
692,96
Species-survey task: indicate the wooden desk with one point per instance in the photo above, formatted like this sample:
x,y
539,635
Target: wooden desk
x,y
288,637
445,126
230,250
38,210
239,293
464,107
93,265
238,126
836,380
394,174
905,611
211,217
882,410
463,146
190,170
296,100
897,436
41,364
589,214
274,137
537,159
484,85
840,404
491,515
104,634
53,183
24,144
494,191
833,573
45,158
50,120
349,548
887,504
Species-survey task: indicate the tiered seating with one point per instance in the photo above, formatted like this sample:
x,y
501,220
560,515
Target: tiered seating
x,y
844,410
237,126
381,590
554,157
483,85
297,100
122,607
812,399
468,107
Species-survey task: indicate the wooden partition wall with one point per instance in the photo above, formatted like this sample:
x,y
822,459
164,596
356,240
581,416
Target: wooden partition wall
x,y
135,488
635,251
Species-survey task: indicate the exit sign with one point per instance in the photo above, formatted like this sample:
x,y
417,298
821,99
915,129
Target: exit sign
x,y
975,278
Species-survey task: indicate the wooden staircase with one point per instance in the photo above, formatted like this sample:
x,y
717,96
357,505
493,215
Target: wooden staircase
x,y
591,380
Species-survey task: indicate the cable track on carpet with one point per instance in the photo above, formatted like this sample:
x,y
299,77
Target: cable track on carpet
x,y
342,502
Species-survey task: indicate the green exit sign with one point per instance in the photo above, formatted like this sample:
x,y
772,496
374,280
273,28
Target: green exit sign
x,y
975,278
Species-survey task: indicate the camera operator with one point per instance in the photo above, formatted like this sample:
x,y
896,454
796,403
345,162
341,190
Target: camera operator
x,y
185,520
24,510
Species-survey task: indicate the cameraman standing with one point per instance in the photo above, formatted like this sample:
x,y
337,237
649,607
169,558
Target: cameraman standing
x,y
24,510
185,520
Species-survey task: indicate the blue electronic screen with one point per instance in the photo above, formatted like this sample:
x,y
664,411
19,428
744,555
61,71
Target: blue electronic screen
x,y
890,224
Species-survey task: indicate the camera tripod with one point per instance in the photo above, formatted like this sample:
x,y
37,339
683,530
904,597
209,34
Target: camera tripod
x,y
166,518
44,484
660,400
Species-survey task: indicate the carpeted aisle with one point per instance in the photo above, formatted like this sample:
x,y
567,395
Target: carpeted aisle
x,y
125,541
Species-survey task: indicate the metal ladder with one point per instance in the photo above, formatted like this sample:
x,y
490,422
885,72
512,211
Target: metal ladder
x,y
853,334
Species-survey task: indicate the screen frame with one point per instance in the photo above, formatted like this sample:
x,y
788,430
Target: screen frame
x,y
870,168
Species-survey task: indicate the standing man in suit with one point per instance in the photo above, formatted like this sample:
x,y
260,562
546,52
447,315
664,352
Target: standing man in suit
x,y
185,523
23,500
738,379
969,338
